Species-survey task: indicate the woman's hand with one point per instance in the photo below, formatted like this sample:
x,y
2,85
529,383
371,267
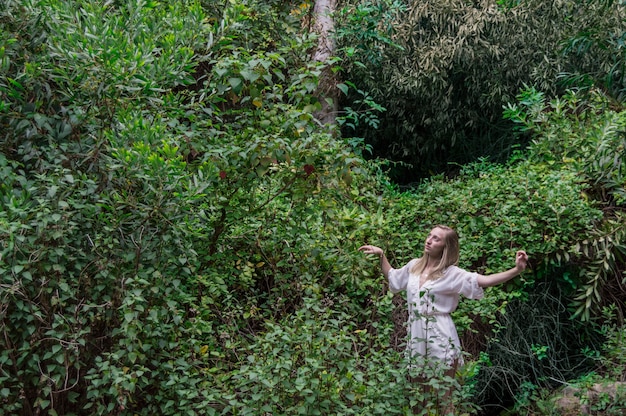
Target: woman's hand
x,y
521,260
384,263
367,249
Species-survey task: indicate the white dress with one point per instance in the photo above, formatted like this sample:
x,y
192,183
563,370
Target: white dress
x,y
432,333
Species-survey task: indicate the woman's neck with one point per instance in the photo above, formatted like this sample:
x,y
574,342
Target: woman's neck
x,y
432,263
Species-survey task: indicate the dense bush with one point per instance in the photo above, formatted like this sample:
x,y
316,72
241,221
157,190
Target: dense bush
x,y
448,66
584,133
143,221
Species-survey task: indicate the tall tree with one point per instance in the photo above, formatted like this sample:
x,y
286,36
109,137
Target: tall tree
x,y
327,91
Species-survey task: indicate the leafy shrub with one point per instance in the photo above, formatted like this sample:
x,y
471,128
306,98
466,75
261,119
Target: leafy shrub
x,y
320,363
582,132
452,65
150,228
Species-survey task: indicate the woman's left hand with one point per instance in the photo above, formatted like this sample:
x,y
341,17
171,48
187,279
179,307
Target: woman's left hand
x,y
521,260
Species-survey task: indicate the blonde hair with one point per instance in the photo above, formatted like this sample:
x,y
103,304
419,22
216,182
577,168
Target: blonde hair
x,y
449,256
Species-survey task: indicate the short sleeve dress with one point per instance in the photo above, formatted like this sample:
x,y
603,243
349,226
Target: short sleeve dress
x,y
432,333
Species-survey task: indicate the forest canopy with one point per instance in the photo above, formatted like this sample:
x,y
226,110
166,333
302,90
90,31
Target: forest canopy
x,y
179,219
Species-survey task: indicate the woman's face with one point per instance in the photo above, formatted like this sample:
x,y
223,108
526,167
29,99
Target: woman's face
x,y
435,243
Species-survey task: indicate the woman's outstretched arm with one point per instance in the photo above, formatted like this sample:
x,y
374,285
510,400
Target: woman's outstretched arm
x,y
384,263
521,261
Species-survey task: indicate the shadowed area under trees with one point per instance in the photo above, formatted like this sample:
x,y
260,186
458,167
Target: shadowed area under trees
x,y
179,232
448,67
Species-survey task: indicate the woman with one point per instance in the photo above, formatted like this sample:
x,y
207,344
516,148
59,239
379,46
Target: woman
x,y
434,283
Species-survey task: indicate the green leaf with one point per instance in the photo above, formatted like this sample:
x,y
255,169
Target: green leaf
x,y
60,358
236,84
249,75
343,88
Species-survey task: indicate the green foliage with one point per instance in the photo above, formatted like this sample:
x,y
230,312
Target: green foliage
x,y
122,190
584,134
459,62
502,208
261,24
600,39
572,137
317,363
156,217
178,235
366,29
612,359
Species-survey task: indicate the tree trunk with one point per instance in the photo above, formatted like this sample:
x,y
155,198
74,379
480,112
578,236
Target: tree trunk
x,y
327,91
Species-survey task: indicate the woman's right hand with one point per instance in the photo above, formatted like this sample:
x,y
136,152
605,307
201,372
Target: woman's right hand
x,y
367,249
384,263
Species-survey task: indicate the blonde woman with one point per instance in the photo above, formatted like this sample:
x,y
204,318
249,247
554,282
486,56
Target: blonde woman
x,y
434,284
